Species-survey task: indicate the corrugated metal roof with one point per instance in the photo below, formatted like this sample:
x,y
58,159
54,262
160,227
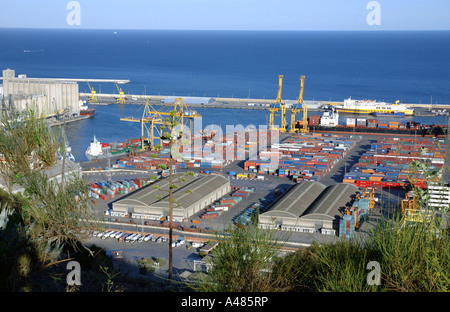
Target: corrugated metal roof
x,y
189,191
333,199
296,200
149,195
312,200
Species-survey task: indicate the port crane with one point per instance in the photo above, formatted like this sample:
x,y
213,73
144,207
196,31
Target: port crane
x,y
297,107
276,106
93,97
121,98
156,120
412,213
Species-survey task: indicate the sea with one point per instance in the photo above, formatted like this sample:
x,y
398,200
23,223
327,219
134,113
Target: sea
x,y
410,66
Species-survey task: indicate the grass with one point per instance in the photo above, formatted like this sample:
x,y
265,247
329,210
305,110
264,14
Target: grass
x,y
411,259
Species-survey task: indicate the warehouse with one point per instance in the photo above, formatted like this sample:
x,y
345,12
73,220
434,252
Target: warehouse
x,y
193,193
309,207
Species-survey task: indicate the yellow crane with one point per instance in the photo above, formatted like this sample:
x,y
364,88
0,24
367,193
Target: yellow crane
x,y
276,106
296,107
151,120
93,97
121,98
368,193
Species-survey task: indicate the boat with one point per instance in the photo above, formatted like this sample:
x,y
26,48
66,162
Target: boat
x,y
99,150
329,119
85,110
369,107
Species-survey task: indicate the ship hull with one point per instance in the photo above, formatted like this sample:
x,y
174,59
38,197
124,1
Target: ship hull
x,y
87,112
356,130
372,107
373,112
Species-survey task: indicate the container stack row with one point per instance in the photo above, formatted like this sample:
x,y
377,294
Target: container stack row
x,y
305,157
246,216
226,203
347,226
220,151
375,123
390,162
104,190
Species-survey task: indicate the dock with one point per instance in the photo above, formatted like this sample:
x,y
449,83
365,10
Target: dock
x,y
241,103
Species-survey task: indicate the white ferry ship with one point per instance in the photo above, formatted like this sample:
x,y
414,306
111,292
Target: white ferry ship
x,y
368,107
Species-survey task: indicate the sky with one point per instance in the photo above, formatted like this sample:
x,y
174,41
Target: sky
x,y
228,14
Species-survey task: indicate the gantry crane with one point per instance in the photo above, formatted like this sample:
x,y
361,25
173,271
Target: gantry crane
x,y
412,213
368,193
296,107
276,106
93,97
409,204
121,98
152,120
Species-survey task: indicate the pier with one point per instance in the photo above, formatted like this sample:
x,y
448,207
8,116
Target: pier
x,y
242,103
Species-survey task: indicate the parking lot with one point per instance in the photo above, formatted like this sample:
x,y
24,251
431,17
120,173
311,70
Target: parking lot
x,y
184,254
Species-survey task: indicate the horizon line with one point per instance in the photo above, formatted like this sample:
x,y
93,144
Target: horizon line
x,y
249,30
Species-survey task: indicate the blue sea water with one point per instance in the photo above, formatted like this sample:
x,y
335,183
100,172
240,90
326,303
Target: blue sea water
x,y
413,67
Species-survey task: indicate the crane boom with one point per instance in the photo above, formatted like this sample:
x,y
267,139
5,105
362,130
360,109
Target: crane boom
x,y
276,106
121,98
300,106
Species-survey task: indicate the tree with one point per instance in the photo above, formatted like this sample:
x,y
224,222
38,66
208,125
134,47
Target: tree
x,y
45,215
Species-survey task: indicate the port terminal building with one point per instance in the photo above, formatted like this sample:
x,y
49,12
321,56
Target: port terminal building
x,y
309,207
192,194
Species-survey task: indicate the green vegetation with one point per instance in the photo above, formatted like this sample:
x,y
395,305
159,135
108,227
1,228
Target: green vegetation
x,y
41,224
411,259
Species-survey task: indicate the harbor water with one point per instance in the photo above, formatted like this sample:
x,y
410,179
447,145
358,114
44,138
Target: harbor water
x,y
386,66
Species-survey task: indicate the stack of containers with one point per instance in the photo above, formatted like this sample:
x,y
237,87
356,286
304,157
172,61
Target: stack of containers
x,y
361,122
372,123
314,120
245,217
388,162
347,226
363,206
305,157
351,122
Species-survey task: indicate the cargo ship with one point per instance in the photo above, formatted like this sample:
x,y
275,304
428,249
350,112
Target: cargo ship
x,y
99,150
370,107
373,126
85,110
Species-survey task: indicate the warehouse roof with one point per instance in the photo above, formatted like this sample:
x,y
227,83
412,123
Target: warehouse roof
x,y
195,191
189,190
150,195
312,200
296,200
331,201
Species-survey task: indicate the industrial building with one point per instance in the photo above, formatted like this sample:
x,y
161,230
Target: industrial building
x,y
51,96
192,194
439,196
309,207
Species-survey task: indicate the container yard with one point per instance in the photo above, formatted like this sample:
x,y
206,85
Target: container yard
x,y
306,157
389,162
